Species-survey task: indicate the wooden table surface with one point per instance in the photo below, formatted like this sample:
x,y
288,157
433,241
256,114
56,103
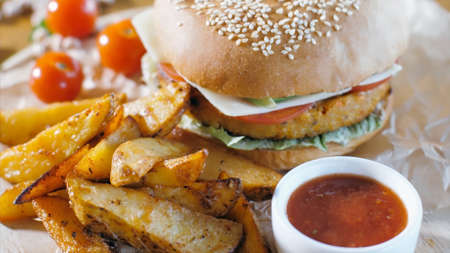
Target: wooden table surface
x,y
14,32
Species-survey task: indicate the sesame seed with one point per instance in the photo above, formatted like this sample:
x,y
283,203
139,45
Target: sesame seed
x,y
284,24
335,17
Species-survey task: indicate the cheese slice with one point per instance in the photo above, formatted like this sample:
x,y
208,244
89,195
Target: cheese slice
x,y
382,75
143,24
235,106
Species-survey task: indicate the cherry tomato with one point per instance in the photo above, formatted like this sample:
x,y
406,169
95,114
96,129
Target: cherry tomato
x,y
369,86
120,48
74,18
169,72
276,117
56,77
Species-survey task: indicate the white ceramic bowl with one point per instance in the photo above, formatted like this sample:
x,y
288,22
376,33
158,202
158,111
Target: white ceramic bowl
x,y
289,240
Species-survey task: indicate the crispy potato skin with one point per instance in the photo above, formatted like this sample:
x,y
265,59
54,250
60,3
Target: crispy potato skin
x,y
19,126
148,223
11,212
179,171
258,182
54,145
215,197
133,159
97,162
325,116
63,226
53,179
156,115
253,242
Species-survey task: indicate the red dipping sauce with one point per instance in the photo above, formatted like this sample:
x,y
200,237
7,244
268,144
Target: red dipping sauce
x,y
347,210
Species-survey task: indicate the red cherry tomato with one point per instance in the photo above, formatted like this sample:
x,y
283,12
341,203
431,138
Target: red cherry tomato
x,y
74,18
276,117
369,86
120,48
56,77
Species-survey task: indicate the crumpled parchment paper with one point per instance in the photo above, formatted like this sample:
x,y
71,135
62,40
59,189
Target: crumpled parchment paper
x,y
416,143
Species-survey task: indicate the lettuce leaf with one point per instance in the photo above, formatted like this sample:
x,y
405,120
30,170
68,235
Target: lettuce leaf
x,y
341,136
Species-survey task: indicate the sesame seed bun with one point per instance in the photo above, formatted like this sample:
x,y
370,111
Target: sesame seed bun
x,y
289,158
359,44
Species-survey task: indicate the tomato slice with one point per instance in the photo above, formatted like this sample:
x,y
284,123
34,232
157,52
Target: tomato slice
x,y
169,72
276,117
369,86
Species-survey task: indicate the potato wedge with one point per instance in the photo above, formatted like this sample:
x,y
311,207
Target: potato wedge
x,y
60,194
19,126
150,224
159,113
213,198
97,163
53,179
63,226
179,171
253,240
258,182
54,145
11,212
133,159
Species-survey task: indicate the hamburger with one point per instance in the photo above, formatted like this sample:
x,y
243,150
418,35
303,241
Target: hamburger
x,y
280,82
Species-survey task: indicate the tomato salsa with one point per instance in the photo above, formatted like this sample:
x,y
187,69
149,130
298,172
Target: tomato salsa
x,y
347,210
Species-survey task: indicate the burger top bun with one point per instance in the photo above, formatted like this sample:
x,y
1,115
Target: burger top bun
x,y
310,49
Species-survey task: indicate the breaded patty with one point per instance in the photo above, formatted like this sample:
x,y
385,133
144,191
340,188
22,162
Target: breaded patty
x,y
324,116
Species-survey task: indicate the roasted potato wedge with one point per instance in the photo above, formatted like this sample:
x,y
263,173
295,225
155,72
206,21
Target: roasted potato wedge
x,y
133,159
11,212
258,182
253,242
60,194
19,126
63,226
115,121
53,179
179,171
213,198
96,164
54,145
147,223
159,113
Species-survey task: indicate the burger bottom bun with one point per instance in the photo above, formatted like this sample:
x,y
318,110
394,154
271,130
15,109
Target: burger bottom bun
x,y
289,158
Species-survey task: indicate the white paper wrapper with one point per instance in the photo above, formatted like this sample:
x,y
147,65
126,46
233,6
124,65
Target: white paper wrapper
x,y
416,143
